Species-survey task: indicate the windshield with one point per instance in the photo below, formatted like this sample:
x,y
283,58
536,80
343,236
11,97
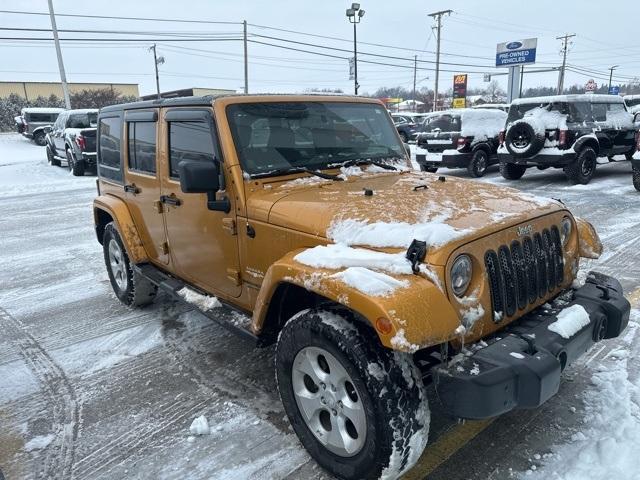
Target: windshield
x,y
272,137
83,120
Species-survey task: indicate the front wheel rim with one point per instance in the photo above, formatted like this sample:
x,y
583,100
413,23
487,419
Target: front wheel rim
x,y
117,265
328,401
587,167
481,164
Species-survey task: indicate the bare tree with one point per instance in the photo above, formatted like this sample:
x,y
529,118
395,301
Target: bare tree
x,y
494,90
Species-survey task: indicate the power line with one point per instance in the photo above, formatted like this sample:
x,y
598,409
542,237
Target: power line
x,y
108,17
40,39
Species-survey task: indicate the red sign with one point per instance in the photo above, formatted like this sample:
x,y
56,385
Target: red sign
x,y
590,86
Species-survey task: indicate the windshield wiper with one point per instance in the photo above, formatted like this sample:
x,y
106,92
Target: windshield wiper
x,y
327,176
368,161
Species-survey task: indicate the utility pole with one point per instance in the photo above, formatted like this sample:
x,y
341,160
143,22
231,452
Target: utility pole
x,y
415,71
246,59
438,18
157,60
63,75
565,46
521,80
611,69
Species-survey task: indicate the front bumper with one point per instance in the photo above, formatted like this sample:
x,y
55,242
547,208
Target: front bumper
x,y
540,159
521,368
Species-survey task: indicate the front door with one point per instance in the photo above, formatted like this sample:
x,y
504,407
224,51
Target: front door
x,y
142,185
202,242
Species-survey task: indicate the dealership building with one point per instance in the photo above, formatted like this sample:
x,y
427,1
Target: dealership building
x,y
33,90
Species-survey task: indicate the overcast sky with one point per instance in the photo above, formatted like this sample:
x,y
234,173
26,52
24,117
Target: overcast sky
x,y
607,34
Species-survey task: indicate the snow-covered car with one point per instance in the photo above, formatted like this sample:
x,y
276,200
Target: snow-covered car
x,y
72,139
495,106
565,131
369,278
33,121
461,138
405,125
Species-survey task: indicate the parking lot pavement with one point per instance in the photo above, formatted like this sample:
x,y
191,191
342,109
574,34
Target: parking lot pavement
x,y
90,389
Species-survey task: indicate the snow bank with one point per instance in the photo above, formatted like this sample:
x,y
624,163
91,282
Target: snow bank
x,y
203,302
392,234
608,444
370,282
570,321
337,256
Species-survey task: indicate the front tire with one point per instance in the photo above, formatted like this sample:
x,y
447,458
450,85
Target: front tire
x,y
581,170
360,410
511,171
479,163
130,288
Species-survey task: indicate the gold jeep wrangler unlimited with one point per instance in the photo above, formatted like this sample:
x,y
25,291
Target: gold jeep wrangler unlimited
x,y
300,214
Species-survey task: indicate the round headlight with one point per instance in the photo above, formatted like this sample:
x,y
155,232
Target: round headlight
x,y
461,274
565,230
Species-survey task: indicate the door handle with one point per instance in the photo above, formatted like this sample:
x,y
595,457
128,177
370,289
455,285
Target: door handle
x,y
171,200
131,188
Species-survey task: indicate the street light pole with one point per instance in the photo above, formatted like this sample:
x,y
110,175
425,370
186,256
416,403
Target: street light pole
x,y
355,14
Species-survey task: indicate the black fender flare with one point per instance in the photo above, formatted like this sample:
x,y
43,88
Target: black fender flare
x,y
587,142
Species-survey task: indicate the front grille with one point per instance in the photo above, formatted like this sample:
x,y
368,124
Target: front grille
x,y
524,271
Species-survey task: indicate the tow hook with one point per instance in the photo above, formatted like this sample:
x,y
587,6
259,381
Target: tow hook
x,y
416,253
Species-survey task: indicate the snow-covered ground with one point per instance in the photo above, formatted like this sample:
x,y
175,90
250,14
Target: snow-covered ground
x,y
90,389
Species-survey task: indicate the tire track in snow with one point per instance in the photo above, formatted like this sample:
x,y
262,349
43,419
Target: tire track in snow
x,y
61,398
135,440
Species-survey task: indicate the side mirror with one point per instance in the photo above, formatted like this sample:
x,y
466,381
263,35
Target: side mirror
x,y
198,176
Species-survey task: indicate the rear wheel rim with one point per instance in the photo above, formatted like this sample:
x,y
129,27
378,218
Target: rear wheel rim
x,y
328,401
587,166
117,265
481,163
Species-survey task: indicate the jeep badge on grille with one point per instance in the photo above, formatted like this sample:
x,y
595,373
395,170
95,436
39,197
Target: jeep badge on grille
x,y
526,230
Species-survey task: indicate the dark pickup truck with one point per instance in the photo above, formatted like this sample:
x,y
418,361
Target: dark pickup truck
x,y
72,139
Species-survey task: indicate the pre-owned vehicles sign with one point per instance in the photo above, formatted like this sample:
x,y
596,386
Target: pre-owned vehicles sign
x,y
509,54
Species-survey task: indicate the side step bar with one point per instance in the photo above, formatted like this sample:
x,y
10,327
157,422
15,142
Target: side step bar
x,y
225,316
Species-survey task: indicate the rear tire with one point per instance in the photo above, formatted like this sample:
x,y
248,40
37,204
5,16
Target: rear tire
x,y
131,289
636,177
479,163
511,171
77,168
330,369
53,161
581,170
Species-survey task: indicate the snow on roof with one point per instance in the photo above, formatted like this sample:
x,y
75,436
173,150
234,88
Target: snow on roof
x,y
570,98
42,110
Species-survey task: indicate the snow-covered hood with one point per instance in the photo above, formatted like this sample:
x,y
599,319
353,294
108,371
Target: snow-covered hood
x,y
389,210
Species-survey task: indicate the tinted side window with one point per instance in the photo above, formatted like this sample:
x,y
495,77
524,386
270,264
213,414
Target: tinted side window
x,y
599,112
42,117
142,146
189,141
110,133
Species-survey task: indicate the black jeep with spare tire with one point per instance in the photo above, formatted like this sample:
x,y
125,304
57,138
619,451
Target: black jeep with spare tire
x,y
565,131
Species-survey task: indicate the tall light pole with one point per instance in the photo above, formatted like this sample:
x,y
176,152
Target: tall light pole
x,y
63,76
355,14
611,69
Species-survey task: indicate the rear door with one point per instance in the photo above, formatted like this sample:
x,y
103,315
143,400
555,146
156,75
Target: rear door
x,y
203,242
142,185
623,133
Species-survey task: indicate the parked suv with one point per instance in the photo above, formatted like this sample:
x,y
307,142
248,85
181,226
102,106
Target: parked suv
x,y
461,138
565,131
300,216
33,120
406,126
72,139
